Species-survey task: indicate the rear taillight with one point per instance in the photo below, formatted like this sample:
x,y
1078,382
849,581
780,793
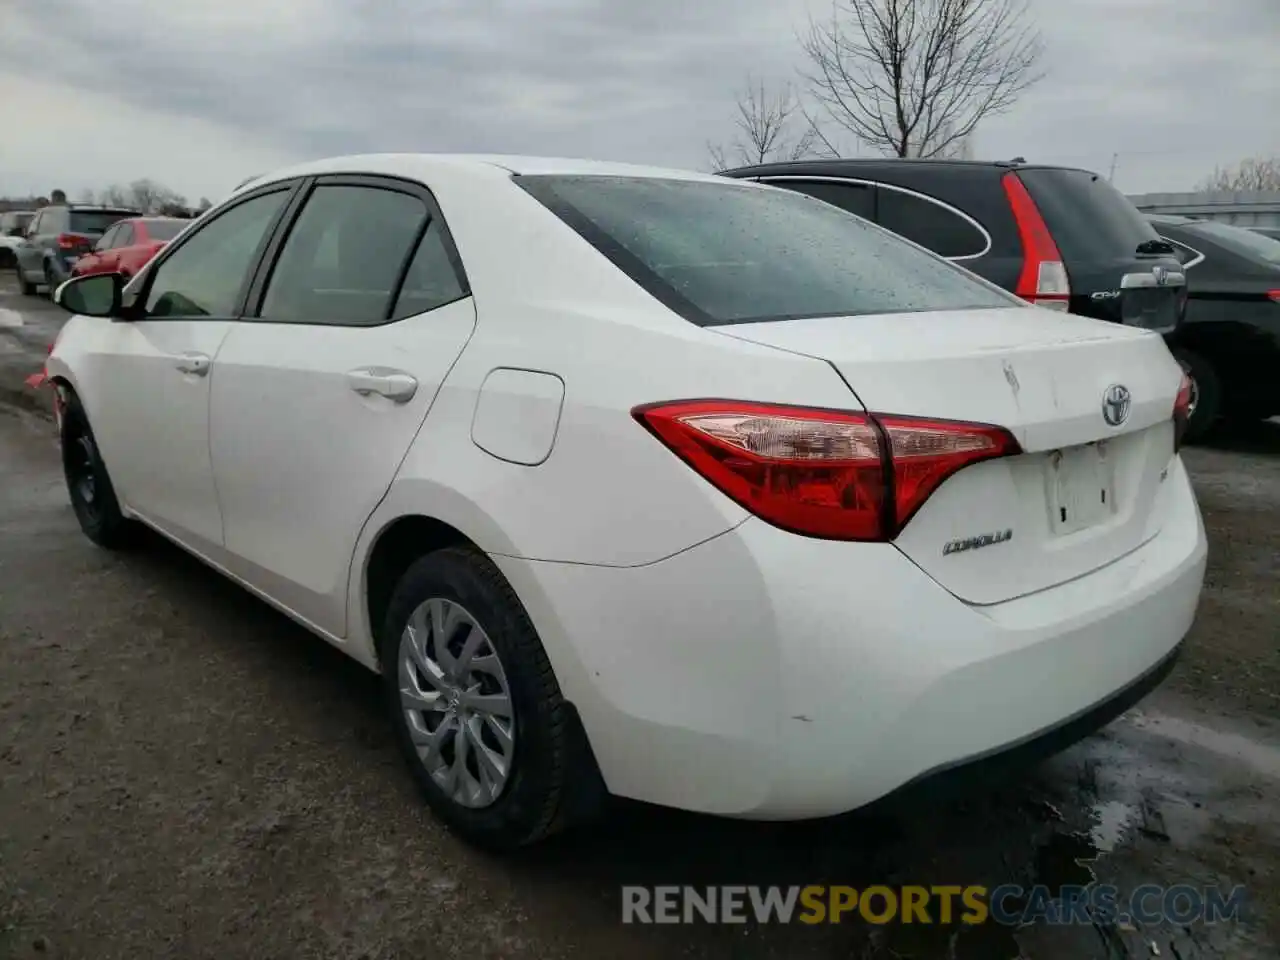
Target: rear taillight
x,y
70,241
1043,280
822,473
1182,410
1273,295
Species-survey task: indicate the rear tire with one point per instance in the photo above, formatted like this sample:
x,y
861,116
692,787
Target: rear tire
x,y
93,498
447,602
50,281
26,289
1207,387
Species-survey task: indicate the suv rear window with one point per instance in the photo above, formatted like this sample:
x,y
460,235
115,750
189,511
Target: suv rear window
x,y
1089,218
726,252
95,222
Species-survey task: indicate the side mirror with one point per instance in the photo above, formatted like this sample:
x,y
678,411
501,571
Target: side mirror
x,y
97,295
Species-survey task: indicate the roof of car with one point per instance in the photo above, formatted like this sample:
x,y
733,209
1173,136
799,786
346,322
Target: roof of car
x,y
419,165
104,207
784,166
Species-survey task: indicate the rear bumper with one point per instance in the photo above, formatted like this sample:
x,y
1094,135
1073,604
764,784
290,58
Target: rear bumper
x,y
990,766
769,676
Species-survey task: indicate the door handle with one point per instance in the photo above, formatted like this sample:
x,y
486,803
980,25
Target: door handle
x,y
196,363
393,384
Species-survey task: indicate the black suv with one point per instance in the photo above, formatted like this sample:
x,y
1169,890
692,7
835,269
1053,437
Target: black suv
x,y
1059,237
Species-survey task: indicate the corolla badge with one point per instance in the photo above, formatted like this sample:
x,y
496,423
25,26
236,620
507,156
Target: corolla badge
x,y
1116,403
977,543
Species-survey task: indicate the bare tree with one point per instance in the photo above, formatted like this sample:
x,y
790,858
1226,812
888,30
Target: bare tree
x,y
772,125
912,77
149,196
1255,173
87,196
114,196
961,148
204,204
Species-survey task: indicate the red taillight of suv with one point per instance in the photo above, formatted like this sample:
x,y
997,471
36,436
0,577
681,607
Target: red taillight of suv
x,y
72,241
1182,410
823,473
1043,280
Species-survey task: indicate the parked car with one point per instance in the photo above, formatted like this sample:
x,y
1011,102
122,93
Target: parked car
x,y
128,245
1061,238
56,237
1230,341
13,226
582,458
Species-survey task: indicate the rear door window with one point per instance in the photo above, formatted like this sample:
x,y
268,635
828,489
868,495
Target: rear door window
x,y
929,224
125,237
344,256
1089,218
720,252
164,229
857,198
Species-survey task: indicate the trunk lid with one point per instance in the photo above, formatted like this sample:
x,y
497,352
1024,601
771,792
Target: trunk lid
x,y
1083,492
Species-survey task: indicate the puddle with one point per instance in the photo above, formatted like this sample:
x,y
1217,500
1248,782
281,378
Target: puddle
x,y
1112,820
1262,757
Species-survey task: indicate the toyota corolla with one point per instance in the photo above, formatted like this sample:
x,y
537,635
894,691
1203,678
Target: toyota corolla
x,y
642,482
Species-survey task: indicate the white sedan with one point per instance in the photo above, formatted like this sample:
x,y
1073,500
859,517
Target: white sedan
x,y
641,482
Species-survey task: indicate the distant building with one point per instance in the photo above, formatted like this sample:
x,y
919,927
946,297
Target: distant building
x,y
1245,208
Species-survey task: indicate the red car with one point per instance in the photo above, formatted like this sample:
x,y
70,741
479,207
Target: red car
x,y
128,244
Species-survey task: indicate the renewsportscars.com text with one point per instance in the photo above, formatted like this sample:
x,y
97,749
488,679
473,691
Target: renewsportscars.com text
x,y
1009,904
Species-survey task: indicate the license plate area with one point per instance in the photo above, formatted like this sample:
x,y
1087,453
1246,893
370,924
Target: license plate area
x,y
1081,488
1152,308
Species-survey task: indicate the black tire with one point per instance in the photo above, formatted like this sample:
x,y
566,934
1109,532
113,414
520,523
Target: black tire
x,y
535,801
7,260
27,289
93,498
50,281
1208,393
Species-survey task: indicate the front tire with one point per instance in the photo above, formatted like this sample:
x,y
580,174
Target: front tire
x,y
1207,394
477,711
93,498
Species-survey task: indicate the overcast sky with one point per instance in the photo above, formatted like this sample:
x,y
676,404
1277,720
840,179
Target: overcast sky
x,y
200,94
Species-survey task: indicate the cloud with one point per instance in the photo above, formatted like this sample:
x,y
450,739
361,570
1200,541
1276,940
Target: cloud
x,y
202,95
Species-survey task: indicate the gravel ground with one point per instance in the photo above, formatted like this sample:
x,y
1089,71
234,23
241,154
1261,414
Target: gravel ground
x,y
184,773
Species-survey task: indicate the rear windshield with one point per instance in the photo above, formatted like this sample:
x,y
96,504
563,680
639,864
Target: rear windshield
x,y
94,222
164,229
1088,217
1239,240
726,252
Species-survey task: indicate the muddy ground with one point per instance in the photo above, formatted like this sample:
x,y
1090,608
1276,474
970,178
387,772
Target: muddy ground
x,y
186,774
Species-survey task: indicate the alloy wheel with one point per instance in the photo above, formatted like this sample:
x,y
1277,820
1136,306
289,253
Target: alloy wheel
x,y
456,703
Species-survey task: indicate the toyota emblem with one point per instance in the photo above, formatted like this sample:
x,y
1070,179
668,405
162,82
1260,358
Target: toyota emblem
x,y
1115,404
